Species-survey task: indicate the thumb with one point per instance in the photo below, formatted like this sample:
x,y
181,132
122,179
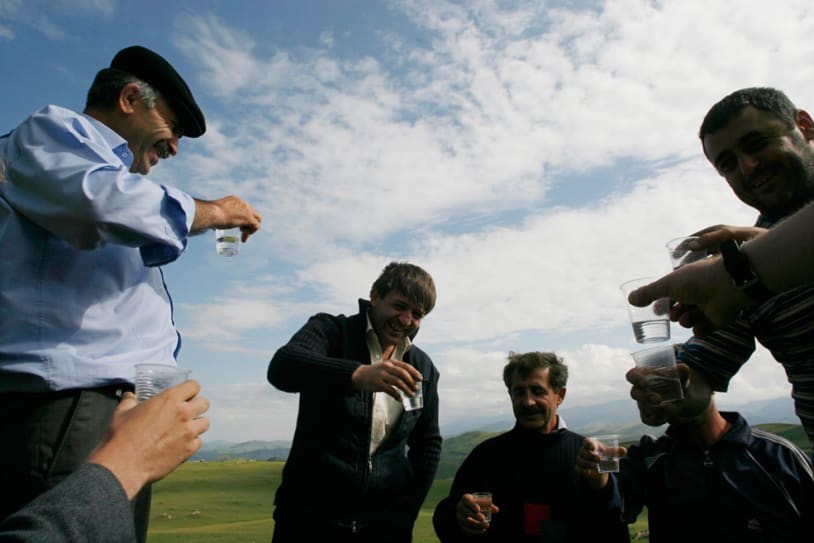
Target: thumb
x,y
388,352
127,402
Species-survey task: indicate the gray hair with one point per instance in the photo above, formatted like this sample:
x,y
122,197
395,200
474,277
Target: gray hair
x,y
526,363
104,91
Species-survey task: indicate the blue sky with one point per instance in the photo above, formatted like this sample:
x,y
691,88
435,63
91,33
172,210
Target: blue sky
x,y
530,155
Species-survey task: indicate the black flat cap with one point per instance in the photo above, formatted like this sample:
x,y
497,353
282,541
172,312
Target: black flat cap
x,y
155,70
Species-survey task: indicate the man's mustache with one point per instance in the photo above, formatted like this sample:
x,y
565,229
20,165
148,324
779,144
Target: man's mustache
x,y
163,149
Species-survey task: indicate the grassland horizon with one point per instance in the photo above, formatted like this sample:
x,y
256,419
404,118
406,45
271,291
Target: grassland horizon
x,y
233,502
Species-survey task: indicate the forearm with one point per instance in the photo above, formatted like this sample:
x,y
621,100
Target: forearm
x,y
89,505
131,478
425,464
227,212
306,361
784,257
207,215
718,356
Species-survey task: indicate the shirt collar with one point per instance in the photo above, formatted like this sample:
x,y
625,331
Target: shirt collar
x,y
112,138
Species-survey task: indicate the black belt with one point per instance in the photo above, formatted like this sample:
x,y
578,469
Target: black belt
x,y
113,391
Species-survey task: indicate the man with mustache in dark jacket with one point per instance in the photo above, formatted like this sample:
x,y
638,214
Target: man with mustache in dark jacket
x,y
531,472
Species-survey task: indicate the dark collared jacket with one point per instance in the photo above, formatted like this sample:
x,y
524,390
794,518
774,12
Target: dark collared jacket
x,y
330,474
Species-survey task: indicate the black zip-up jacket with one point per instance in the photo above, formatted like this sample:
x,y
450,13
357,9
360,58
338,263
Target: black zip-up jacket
x,y
329,475
750,486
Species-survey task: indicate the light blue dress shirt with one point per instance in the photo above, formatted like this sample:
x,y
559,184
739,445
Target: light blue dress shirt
x,y
82,296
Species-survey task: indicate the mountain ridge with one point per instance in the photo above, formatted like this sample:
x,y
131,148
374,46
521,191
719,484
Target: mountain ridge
x,y
619,417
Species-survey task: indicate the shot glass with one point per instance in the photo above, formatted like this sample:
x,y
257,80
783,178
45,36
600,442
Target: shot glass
x,y
484,502
227,242
650,323
658,365
681,254
416,401
153,378
608,447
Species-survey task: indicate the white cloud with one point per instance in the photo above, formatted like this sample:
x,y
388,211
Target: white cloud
x,y
225,53
45,16
236,409
99,7
451,150
485,121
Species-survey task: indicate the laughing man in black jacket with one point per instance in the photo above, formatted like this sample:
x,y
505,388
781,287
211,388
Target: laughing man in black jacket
x,y
360,464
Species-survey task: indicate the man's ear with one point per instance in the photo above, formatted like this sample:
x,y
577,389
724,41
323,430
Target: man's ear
x,y
805,124
561,394
373,298
128,96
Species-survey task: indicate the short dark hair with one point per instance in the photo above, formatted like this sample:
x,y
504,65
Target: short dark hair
x,y
766,99
409,280
108,83
526,363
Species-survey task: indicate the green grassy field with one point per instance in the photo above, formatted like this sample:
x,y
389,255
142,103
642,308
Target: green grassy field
x,y
232,502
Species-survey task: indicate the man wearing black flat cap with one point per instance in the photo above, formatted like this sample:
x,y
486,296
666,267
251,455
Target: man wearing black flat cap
x,y
85,234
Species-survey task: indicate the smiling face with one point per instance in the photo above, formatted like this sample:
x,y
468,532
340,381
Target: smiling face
x,y
394,317
534,401
153,135
768,165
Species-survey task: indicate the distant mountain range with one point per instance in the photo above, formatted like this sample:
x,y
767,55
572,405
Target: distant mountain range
x,y
619,417
219,451
622,417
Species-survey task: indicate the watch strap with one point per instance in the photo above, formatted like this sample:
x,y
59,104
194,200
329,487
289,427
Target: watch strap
x,y
743,275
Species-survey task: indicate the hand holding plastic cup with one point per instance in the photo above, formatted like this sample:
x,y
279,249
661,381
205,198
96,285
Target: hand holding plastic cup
x,y
227,241
681,254
608,448
416,401
484,503
650,323
659,372
153,378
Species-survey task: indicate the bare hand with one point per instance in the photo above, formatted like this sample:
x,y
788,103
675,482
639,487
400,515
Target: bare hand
x,y
711,237
470,520
703,295
146,441
389,376
588,463
654,411
228,212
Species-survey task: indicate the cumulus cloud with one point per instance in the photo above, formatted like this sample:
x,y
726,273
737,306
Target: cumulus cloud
x,y
236,409
454,151
46,17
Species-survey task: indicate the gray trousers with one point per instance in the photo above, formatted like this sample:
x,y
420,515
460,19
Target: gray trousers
x,y
46,436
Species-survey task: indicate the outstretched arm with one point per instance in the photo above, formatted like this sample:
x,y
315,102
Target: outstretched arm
x,y
783,258
228,212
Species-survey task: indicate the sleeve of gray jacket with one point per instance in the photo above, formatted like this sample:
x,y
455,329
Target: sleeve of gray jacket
x,y
88,506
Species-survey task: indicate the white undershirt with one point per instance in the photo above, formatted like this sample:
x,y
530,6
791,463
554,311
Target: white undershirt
x,y
386,410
